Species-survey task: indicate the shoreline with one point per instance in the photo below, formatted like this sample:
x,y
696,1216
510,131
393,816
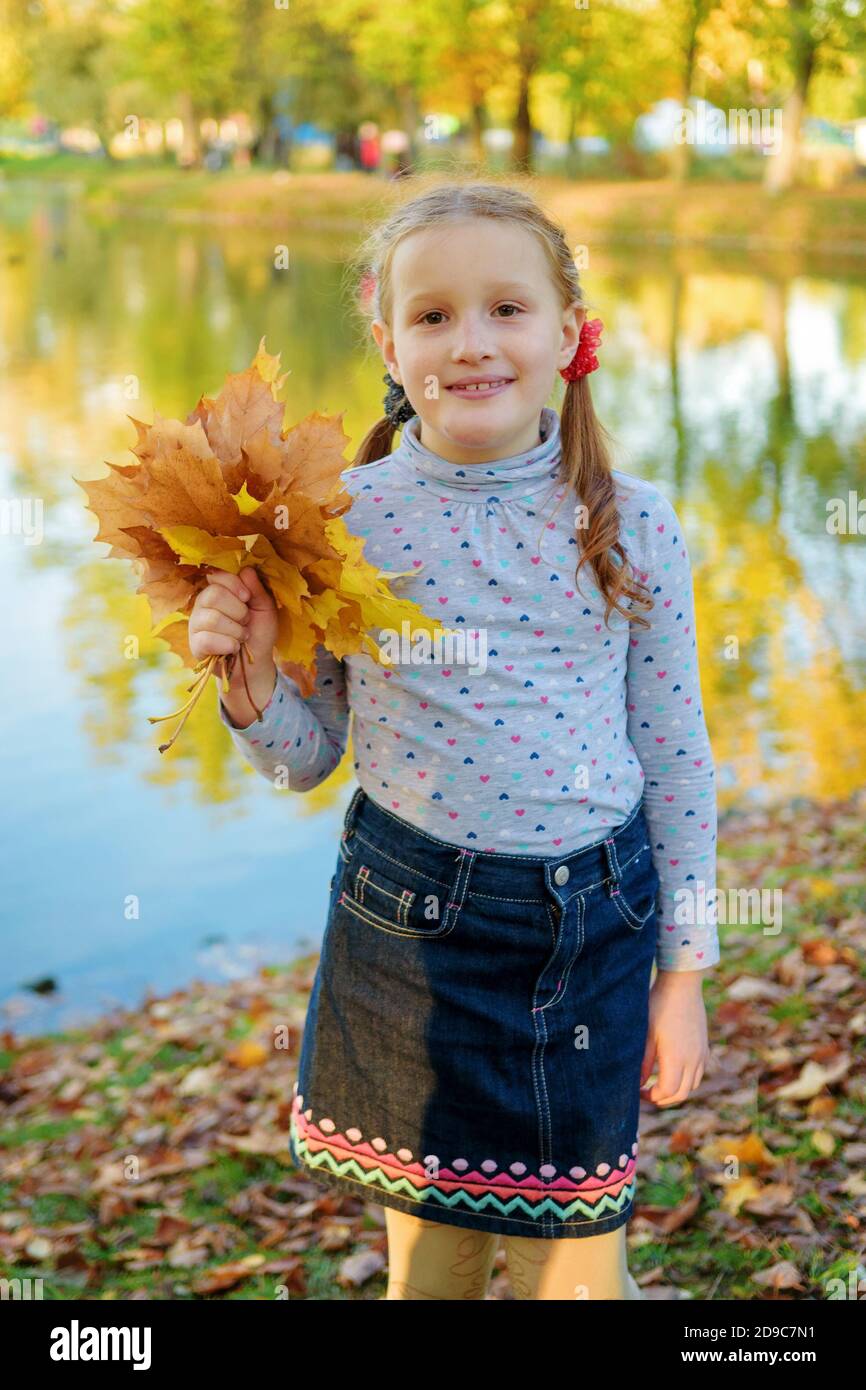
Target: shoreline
x,y
723,216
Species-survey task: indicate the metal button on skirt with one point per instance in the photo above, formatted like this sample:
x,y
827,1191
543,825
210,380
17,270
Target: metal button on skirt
x,y
476,1028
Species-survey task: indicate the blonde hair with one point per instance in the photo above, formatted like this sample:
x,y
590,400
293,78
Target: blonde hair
x,y
586,461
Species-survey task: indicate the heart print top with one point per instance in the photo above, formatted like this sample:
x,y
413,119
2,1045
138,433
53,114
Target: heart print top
x,y
544,727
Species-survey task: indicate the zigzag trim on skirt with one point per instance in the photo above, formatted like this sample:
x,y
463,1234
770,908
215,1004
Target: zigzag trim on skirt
x,y
606,1193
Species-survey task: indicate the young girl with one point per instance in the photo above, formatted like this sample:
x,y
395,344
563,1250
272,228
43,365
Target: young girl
x,y
481,1022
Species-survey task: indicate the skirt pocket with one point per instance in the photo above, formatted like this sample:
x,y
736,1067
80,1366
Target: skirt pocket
x,y
397,898
636,889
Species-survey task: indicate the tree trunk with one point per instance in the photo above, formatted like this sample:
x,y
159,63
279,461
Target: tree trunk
x,y
189,155
521,150
265,147
105,132
410,117
476,128
682,154
781,168
573,161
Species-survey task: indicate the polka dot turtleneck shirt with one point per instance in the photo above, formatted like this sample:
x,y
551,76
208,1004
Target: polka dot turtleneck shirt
x,y
540,728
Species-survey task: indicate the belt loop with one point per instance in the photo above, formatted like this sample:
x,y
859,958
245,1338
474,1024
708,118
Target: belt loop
x,y
465,861
351,813
613,865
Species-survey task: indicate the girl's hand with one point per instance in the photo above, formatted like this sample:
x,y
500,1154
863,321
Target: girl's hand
x,y
677,1036
233,608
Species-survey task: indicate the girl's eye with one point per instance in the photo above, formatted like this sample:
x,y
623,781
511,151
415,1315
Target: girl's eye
x,y
516,307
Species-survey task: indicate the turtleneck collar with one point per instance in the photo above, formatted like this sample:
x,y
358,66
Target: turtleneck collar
x,y
516,475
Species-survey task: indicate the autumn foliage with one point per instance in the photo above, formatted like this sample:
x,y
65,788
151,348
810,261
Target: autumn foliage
x,y
229,487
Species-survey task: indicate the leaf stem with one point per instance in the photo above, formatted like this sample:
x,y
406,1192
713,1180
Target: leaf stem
x,y
187,708
198,685
206,668
244,648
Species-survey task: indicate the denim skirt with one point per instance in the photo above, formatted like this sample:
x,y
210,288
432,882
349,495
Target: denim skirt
x,y
476,1028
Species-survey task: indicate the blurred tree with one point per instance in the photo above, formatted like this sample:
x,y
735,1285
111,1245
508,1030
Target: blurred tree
x,y
612,71
69,54
683,30
257,74
15,75
312,55
583,66
471,62
186,55
399,50
802,39
532,25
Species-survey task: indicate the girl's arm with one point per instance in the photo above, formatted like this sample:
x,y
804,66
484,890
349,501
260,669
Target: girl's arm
x,y
667,728
301,740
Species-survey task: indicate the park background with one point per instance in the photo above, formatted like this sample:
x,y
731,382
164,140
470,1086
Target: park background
x,y
177,181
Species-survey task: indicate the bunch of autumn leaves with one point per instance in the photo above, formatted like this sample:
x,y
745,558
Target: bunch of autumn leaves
x,y
229,488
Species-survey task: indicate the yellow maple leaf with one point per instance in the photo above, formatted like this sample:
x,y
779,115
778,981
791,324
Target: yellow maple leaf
x,y
198,547
246,504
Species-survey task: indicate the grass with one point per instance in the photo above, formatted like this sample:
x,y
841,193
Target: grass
x,y
723,214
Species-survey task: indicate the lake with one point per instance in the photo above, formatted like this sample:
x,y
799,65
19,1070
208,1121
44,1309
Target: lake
x,y
740,389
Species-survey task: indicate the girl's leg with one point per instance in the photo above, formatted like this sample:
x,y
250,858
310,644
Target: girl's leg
x,y
427,1259
593,1267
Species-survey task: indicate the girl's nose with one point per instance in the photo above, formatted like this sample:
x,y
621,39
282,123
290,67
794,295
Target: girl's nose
x,y
470,339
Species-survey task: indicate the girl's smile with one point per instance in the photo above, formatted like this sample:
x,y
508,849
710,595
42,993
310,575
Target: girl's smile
x,y
478,388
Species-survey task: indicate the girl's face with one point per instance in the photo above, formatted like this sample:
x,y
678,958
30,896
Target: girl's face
x,y
474,301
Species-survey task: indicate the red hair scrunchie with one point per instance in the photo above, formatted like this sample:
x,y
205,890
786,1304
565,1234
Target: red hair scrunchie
x,y
584,360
